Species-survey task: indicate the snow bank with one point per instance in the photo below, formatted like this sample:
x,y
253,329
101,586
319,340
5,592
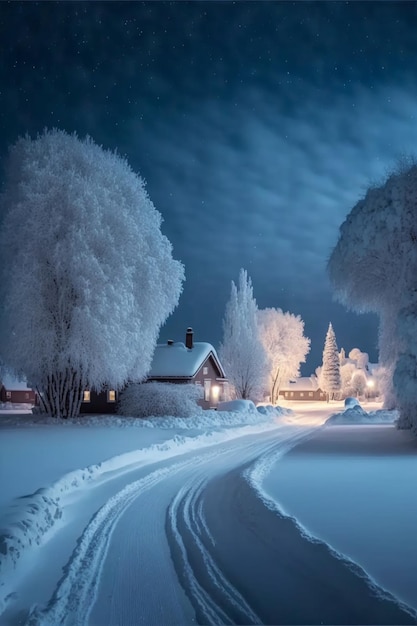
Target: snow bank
x,y
30,521
355,414
351,402
237,406
236,415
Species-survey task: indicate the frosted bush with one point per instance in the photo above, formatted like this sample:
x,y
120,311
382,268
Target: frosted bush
x,y
160,400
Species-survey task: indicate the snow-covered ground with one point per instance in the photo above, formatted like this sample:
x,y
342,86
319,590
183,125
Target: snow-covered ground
x,y
116,520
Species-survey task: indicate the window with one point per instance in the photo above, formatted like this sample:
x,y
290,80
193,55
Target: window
x,y
205,371
215,393
86,396
207,387
286,394
8,394
26,395
291,393
301,394
310,393
111,395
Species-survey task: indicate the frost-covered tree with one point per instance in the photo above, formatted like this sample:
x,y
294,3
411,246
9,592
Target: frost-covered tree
x,y
374,268
358,383
87,276
241,351
282,335
361,359
330,381
347,371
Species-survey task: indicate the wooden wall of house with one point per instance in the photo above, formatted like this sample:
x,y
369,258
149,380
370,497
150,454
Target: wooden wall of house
x,y
208,376
21,396
307,396
99,404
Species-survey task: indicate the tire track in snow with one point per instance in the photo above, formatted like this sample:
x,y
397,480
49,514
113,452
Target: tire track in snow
x,y
76,593
215,598
32,521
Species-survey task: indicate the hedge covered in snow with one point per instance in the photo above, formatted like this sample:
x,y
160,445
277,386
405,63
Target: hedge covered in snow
x,y
160,400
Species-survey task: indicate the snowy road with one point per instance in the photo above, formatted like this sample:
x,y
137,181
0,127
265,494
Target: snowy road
x,y
194,539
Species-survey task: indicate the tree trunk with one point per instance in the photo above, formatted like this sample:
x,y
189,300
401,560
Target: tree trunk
x,y
62,394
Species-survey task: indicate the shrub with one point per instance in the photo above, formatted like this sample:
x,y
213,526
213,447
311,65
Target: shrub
x,y
160,400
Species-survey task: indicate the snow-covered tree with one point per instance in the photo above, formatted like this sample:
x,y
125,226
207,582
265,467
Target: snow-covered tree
x,y
330,381
361,359
347,371
374,267
282,335
87,276
358,383
241,351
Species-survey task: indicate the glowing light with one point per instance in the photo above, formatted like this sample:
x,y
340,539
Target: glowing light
x,y
215,392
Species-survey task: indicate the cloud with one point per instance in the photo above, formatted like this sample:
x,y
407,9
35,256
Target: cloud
x,y
242,185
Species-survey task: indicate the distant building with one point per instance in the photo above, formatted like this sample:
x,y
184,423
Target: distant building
x,y
16,391
303,388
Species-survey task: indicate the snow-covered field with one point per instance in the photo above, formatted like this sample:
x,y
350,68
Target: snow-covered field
x,y
114,520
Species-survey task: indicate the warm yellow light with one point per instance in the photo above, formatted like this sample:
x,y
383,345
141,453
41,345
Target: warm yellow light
x,y
111,396
370,383
86,396
215,391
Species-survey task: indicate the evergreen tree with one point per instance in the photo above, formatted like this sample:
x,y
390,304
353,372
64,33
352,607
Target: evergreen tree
x,y
241,351
330,380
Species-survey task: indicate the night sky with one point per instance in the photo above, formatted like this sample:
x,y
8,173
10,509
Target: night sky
x,y
257,126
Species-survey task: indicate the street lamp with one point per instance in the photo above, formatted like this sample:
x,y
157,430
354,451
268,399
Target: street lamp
x,y
369,385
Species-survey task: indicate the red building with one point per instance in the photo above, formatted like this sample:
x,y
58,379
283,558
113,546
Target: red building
x,y
16,391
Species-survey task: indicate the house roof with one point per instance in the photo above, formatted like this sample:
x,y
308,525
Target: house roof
x,y
177,361
10,383
303,383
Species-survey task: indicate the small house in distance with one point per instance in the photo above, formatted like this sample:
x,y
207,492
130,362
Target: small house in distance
x,y
302,389
16,391
193,362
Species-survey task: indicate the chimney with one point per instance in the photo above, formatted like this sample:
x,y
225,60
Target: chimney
x,y
189,338
170,342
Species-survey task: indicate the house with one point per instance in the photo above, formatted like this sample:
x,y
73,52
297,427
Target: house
x,y
173,362
303,388
15,391
191,362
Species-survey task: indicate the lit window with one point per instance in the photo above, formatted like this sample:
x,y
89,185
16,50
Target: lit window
x,y
8,394
205,371
215,393
291,393
301,394
86,396
286,394
111,395
310,393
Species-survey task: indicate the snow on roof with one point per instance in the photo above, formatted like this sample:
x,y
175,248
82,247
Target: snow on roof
x,y
176,360
10,383
303,383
